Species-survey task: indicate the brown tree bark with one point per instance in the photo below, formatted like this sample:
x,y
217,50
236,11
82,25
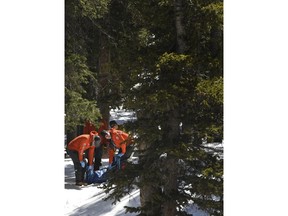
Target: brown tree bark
x,y
171,174
180,30
104,77
169,165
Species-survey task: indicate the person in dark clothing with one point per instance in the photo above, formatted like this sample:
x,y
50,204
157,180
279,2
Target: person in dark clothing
x,y
98,152
80,148
118,141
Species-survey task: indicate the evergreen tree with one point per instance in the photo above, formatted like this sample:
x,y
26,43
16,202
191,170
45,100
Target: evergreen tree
x,y
78,107
162,59
84,86
175,86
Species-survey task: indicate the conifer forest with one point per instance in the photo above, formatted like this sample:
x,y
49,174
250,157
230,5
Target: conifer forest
x,y
162,60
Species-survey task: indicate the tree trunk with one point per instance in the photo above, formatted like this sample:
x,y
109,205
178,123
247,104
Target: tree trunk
x,y
180,30
104,77
171,174
168,165
146,194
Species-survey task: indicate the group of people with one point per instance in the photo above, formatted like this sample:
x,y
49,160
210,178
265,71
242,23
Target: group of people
x,y
90,145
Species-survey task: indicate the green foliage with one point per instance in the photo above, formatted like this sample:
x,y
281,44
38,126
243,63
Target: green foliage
x,y
209,102
94,9
215,9
79,79
165,88
126,182
78,110
211,90
76,72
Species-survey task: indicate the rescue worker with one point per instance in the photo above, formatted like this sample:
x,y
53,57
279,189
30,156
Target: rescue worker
x,y
118,140
88,127
80,148
98,152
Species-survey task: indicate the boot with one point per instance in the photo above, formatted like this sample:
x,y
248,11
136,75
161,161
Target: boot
x,y
81,184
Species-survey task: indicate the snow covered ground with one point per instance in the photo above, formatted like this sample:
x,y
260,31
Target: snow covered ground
x,y
88,200
122,116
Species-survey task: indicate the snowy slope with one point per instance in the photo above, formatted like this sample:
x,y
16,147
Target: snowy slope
x,y
87,201
122,116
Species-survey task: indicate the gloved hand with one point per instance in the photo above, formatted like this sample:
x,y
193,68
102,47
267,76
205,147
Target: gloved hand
x,y
105,133
90,170
112,145
119,155
82,164
118,159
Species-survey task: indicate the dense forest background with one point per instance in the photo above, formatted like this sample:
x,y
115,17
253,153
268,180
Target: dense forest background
x,y
163,60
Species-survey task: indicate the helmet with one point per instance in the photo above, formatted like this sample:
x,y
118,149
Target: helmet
x,y
112,123
97,140
104,133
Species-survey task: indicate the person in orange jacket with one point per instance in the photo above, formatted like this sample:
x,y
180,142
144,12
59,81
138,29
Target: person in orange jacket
x,y
88,127
83,147
119,139
99,150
